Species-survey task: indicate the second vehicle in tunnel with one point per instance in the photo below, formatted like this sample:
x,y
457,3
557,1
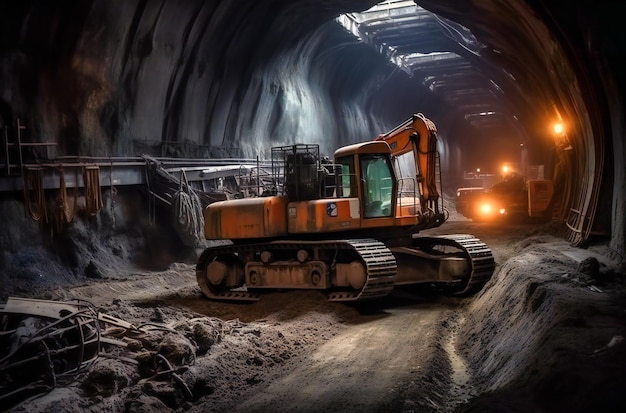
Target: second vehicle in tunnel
x,y
513,198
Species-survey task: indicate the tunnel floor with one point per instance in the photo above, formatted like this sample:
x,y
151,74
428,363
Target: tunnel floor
x,y
542,335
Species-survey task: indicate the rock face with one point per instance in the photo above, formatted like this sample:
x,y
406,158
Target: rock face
x,y
169,78
103,79
223,78
228,78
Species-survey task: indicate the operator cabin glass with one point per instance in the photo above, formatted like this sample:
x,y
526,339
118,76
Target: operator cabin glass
x,y
347,181
377,186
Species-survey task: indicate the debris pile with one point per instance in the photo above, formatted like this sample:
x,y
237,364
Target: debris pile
x,y
46,344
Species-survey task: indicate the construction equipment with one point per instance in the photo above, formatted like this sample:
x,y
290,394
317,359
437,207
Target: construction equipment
x,y
514,198
347,228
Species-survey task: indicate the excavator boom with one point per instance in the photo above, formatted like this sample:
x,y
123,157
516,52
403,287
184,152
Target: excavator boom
x,y
418,136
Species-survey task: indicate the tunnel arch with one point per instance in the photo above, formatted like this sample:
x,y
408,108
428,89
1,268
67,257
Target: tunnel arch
x,y
247,74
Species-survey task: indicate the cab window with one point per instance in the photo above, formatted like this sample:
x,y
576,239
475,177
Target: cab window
x,y
346,187
377,178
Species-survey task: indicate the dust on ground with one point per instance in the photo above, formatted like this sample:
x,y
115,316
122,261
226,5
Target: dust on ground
x,y
544,335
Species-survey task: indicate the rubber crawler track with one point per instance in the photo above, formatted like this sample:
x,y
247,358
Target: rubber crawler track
x,y
380,264
480,256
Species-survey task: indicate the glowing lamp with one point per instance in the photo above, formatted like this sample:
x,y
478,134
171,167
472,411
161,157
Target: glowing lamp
x,y
558,128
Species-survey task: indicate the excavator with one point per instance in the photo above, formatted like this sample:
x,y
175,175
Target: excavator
x,y
348,228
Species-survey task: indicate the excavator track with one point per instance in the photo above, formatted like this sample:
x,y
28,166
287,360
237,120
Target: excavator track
x,y
481,261
378,260
381,271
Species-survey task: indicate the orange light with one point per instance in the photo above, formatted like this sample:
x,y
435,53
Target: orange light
x,y
558,128
505,169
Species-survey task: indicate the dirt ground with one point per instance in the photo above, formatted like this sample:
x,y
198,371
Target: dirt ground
x,y
544,335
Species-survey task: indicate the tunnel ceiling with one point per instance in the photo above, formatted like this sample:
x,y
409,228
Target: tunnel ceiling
x,y
232,78
96,77
443,55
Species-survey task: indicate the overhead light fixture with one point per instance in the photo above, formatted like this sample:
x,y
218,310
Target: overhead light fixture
x,y
558,128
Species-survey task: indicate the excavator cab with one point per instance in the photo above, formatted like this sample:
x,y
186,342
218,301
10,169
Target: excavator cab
x,y
386,187
362,171
367,174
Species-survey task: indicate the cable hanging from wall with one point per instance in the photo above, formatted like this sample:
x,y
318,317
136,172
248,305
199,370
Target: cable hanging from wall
x,y
113,192
34,195
65,208
187,213
93,194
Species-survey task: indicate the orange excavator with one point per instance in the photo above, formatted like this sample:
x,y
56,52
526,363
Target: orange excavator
x,y
347,228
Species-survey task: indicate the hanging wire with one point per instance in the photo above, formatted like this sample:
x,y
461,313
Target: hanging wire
x,y
187,213
113,192
34,195
64,213
93,194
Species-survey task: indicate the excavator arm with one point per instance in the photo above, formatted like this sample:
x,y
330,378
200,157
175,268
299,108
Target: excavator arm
x,y
418,135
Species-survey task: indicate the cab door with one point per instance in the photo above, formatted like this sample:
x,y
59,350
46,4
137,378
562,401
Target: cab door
x,y
378,184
